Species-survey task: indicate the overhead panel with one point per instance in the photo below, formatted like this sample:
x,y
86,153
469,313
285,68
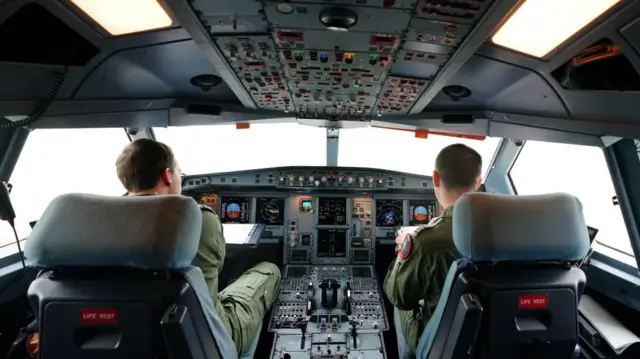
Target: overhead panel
x,y
254,60
342,59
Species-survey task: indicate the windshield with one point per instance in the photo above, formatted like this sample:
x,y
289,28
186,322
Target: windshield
x,y
222,148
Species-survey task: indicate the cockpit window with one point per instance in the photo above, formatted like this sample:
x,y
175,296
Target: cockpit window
x,y
401,151
222,148
544,167
57,161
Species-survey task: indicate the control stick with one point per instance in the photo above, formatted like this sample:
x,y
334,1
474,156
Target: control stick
x,y
334,296
354,334
324,285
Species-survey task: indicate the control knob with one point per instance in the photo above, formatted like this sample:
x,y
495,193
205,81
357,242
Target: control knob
x,y
350,179
301,178
311,178
361,179
324,179
317,183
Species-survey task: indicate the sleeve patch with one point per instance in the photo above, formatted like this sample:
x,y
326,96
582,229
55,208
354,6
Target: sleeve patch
x,y
406,247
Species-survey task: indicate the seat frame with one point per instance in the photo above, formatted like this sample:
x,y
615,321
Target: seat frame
x,y
479,290
55,294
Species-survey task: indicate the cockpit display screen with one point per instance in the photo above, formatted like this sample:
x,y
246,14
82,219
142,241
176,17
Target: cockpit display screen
x,y
270,211
421,211
235,209
389,213
332,211
332,243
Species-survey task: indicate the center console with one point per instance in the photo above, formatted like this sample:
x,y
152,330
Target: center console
x,y
330,303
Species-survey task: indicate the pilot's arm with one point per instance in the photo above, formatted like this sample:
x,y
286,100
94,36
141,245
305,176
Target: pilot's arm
x,y
408,278
211,250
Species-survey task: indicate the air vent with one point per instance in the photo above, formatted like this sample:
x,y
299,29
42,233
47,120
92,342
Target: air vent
x,y
600,67
34,35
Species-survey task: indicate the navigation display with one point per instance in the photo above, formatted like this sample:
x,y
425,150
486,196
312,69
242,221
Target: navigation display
x,y
421,211
332,211
389,213
235,209
332,243
270,211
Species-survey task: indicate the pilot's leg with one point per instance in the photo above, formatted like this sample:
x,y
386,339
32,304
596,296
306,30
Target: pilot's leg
x,y
412,329
246,301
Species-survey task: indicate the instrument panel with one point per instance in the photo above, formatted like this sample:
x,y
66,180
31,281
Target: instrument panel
x,y
324,229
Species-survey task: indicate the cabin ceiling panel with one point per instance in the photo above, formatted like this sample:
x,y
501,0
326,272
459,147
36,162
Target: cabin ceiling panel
x,y
162,70
501,86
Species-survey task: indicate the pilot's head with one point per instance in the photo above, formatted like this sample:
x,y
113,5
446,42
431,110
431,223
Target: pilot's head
x,y
457,170
148,167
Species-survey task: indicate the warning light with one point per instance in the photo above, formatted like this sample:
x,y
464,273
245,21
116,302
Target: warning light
x,y
348,57
324,57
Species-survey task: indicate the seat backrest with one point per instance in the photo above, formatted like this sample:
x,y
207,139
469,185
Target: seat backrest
x,y
515,293
116,280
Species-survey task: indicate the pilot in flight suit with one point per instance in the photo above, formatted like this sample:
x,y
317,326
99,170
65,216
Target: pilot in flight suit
x,y
147,167
414,281
242,304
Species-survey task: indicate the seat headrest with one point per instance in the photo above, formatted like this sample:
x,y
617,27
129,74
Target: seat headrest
x,y
494,228
154,232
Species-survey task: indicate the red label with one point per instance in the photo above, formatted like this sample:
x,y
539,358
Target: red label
x,y
99,316
533,301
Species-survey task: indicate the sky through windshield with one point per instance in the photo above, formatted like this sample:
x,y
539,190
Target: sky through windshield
x,y
291,144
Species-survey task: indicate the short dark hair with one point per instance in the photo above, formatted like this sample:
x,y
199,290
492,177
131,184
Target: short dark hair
x,y
459,166
141,163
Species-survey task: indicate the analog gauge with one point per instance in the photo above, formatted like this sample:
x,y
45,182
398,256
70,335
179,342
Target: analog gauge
x,y
306,206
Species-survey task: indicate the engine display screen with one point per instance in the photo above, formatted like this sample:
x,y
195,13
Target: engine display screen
x,y
421,211
332,211
270,211
332,243
235,209
389,213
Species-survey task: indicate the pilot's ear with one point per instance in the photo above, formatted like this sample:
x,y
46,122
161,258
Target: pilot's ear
x,y
436,179
478,183
166,177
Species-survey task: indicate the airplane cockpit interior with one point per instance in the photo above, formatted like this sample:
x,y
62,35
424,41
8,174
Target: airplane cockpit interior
x,y
305,134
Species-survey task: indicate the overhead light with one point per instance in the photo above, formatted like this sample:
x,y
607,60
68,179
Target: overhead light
x,y
338,18
539,26
121,17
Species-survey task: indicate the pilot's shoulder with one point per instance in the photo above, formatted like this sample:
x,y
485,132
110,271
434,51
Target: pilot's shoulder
x,y
427,229
434,236
206,208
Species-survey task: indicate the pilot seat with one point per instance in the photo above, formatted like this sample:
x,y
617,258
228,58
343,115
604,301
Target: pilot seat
x,y
116,280
515,293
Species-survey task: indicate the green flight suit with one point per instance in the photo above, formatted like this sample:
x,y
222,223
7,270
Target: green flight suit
x,y
415,279
242,305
